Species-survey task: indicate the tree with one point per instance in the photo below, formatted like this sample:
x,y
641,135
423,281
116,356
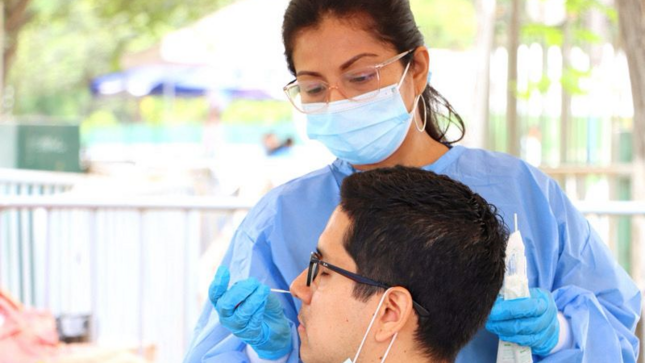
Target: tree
x,y
486,11
54,47
16,15
632,28
512,121
436,20
143,17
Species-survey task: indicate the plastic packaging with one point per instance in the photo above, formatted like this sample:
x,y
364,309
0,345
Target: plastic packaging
x,y
516,286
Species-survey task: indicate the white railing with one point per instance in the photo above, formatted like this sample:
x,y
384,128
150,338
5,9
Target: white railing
x,y
28,182
132,264
613,208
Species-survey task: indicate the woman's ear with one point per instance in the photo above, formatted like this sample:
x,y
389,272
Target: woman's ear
x,y
395,313
420,69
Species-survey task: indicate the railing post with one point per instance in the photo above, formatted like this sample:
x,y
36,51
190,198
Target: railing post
x,y
191,257
48,263
4,269
142,273
94,279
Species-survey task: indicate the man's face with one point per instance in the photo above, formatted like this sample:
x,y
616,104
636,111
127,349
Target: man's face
x,y
332,322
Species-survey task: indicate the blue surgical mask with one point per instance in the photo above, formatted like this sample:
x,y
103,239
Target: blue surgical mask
x,y
363,132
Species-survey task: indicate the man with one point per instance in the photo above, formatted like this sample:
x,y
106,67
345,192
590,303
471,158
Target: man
x,y
407,270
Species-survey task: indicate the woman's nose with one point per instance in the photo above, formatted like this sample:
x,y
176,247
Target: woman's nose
x,y
300,289
335,94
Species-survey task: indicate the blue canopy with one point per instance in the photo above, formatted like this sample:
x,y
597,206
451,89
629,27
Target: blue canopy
x,y
172,80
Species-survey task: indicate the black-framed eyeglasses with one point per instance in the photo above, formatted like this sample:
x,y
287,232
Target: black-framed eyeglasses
x,y
312,273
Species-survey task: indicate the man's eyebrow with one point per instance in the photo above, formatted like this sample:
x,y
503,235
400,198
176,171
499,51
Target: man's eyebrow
x,y
319,252
343,66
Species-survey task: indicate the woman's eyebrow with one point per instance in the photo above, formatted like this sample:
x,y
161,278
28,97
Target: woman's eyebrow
x,y
343,66
347,64
308,73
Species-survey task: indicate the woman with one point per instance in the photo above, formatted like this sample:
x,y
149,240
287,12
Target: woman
x,y
361,78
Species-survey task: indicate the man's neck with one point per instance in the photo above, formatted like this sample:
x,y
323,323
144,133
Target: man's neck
x,y
403,353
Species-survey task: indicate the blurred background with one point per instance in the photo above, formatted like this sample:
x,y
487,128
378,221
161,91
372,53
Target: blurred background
x,y
135,135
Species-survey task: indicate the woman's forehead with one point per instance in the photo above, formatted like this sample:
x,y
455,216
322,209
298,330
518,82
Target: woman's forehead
x,y
333,42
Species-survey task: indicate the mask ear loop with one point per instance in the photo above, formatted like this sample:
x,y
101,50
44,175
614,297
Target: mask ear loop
x,y
405,73
389,347
369,327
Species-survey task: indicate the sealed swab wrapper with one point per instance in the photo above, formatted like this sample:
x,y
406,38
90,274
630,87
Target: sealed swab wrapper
x,y
516,286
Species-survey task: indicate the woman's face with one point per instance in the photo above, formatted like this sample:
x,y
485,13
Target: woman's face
x,y
338,46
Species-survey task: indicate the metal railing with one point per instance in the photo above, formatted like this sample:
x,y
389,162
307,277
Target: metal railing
x,y
27,182
132,264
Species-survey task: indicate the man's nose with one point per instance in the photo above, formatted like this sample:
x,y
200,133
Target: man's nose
x,y
300,289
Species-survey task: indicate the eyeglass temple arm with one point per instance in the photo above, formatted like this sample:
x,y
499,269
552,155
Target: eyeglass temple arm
x,y
364,280
390,61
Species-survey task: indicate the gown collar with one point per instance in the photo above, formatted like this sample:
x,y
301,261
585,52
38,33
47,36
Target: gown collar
x,y
341,168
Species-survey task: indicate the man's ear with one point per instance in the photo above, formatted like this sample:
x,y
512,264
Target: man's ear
x,y
395,313
421,68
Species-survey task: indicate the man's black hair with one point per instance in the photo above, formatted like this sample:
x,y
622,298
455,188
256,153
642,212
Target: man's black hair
x,y
433,236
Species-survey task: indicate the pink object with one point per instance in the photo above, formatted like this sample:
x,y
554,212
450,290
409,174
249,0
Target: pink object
x,y
26,335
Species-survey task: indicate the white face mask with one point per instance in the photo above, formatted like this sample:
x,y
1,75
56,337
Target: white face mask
x,y
367,332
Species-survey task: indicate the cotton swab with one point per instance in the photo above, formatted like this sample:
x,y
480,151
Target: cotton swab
x,y
281,291
274,290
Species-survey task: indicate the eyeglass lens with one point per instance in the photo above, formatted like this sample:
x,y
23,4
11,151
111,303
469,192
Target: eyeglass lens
x,y
312,273
353,84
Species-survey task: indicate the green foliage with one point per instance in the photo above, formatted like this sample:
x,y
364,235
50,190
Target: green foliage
x,y
542,86
446,24
571,78
587,36
158,110
576,10
70,42
577,7
551,35
247,111
98,119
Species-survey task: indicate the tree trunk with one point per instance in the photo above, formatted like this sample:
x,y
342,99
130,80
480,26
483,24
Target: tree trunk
x,y
632,29
481,109
512,138
2,60
565,100
16,15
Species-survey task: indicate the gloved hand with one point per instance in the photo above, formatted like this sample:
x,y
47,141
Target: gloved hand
x,y
530,322
252,314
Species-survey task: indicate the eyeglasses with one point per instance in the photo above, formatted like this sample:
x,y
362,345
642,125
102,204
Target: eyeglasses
x,y
362,84
314,267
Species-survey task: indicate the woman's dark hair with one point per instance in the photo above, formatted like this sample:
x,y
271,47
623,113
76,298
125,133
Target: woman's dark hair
x,y
390,21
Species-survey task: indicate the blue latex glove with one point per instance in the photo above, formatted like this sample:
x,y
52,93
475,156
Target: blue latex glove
x,y
530,322
252,314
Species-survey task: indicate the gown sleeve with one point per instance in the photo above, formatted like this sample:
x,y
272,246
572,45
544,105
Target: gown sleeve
x,y
245,257
595,294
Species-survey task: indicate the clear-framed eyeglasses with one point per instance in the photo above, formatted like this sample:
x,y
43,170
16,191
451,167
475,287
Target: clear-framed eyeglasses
x,y
360,84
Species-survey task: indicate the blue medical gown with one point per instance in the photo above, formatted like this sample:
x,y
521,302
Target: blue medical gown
x,y
565,256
